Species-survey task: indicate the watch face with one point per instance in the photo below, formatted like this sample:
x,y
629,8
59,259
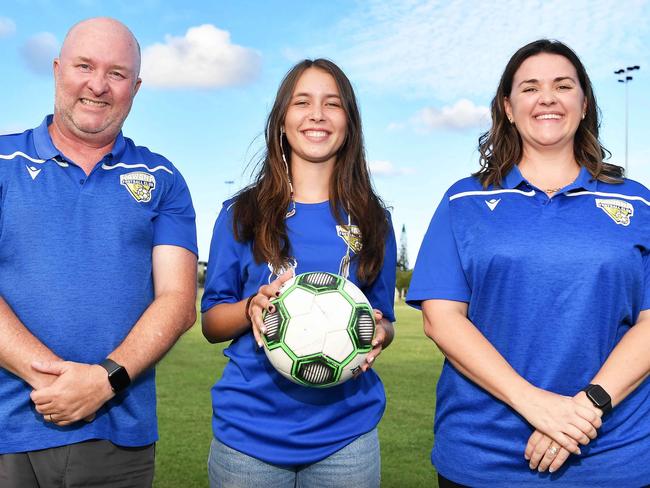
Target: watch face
x,y
119,379
598,395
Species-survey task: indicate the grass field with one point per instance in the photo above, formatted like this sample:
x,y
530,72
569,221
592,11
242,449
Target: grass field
x,y
409,370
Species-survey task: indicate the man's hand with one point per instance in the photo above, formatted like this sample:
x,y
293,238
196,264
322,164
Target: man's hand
x,y
77,393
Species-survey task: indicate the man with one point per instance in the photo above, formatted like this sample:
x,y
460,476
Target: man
x,y
97,276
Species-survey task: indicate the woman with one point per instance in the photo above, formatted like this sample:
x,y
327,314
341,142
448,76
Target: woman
x,y
534,281
311,207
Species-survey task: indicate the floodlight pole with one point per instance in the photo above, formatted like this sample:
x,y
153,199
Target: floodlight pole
x,y
625,78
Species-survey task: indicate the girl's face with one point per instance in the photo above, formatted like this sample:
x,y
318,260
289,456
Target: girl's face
x,y
315,123
546,103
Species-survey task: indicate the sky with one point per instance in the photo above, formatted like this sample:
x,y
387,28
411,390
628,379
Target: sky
x,y
424,73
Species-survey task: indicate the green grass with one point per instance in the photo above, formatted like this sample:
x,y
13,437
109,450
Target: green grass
x,y
409,370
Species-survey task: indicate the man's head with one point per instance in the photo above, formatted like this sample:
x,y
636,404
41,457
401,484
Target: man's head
x,y
96,79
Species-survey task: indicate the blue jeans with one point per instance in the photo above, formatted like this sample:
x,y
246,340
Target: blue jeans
x,y
357,464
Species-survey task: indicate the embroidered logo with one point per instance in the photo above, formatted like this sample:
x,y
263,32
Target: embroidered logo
x,y
620,211
33,171
351,235
276,272
139,184
492,204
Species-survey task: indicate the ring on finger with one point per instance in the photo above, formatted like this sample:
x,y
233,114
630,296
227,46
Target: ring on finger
x,y
51,419
553,450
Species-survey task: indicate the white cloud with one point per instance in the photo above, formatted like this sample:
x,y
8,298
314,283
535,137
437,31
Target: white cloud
x,y
204,58
428,48
459,116
7,27
382,168
39,51
13,128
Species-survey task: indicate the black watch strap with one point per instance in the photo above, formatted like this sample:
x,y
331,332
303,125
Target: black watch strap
x,y
599,397
118,377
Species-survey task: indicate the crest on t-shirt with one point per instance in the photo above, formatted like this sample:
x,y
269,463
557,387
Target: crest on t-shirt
x,y
291,263
351,235
139,184
620,211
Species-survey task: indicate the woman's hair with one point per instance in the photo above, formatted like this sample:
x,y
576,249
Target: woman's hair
x,y
260,209
501,147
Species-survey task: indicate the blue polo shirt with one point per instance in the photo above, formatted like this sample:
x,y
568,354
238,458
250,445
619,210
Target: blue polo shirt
x,y
258,411
553,284
75,267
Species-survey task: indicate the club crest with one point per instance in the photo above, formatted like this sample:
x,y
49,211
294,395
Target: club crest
x,y
351,235
139,184
620,211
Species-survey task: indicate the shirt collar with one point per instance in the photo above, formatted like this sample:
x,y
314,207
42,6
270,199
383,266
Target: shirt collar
x,y
514,178
46,149
584,180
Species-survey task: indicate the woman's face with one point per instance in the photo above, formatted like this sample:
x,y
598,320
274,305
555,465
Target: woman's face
x,y
315,123
546,103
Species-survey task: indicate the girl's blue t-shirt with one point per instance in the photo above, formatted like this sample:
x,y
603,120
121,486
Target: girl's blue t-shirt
x,y
255,409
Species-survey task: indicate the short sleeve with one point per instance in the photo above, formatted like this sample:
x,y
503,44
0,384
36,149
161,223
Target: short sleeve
x,y
646,275
381,293
438,272
175,223
223,283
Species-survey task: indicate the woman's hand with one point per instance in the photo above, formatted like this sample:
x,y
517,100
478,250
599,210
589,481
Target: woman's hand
x,y
543,453
384,332
565,420
262,301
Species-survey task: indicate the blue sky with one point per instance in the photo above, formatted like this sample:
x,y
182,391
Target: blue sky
x,y
424,72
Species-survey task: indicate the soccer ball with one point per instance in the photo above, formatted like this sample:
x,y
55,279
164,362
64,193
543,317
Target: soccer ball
x,y
321,330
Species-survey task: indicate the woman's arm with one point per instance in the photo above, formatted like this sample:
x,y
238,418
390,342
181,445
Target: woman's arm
x,y
625,369
225,321
446,323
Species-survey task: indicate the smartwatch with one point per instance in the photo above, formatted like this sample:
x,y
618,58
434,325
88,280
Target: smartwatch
x,y
599,397
117,375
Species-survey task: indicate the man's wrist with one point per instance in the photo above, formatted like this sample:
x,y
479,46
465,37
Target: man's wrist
x,y
118,377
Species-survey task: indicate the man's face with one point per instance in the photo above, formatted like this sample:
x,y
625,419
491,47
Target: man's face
x,y
96,80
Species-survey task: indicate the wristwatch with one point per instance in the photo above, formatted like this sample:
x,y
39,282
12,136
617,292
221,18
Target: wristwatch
x,y
118,377
599,397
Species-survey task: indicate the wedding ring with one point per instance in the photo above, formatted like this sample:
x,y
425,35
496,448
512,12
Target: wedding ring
x,y
553,450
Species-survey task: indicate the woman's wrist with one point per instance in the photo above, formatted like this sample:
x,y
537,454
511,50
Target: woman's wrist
x,y
247,308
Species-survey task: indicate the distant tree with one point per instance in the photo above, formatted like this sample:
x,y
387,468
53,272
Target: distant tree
x,y
402,282
403,278
403,258
200,273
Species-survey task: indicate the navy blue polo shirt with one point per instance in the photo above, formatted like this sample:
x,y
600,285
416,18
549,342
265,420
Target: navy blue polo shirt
x,y
75,267
553,284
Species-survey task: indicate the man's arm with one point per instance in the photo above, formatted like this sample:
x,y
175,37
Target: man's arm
x,y
19,348
81,389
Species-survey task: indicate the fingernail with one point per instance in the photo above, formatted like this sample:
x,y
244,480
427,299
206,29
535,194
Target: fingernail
x,y
371,359
551,470
579,452
374,343
259,344
531,466
263,330
526,457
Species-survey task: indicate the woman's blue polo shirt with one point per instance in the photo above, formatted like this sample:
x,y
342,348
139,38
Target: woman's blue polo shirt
x,y
553,284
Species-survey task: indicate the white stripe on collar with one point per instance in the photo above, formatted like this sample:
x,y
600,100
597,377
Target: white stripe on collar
x,y
490,192
22,154
138,165
610,195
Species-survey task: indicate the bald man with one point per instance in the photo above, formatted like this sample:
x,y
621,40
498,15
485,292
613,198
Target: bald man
x,y
97,276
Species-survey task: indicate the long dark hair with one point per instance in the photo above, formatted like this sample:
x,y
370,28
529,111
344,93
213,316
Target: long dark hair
x,y
260,209
501,147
